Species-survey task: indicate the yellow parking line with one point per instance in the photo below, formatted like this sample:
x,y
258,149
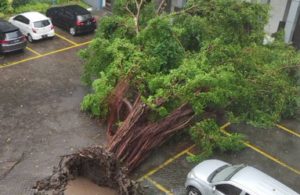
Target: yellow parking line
x,y
288,130
190,154
255,148
66,39
159,186
151,172
271,157
225,126
33,51
43,55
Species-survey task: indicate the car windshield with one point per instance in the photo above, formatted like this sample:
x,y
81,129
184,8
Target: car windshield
x,y
13,35
41,24
226,173
84,17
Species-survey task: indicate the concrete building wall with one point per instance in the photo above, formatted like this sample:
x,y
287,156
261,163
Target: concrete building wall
x,y
96,4
277,13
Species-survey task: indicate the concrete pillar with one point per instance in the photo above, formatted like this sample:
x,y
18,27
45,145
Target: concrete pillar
x,y
291,20
276,15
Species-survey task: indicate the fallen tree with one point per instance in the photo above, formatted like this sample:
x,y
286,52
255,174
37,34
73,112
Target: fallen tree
x,y
155,73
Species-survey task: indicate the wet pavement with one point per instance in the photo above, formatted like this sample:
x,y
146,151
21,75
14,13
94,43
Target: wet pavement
x,y
275,145
40,118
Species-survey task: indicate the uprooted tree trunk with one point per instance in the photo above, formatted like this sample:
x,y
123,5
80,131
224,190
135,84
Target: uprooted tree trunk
x,y
93,163
136,137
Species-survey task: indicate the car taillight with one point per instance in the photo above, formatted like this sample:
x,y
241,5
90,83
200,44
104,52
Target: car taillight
x,y
78,23
52,27
33,30
4,42
93,19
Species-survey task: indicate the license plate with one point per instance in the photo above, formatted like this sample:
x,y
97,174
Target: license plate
x,y
88,23
44,36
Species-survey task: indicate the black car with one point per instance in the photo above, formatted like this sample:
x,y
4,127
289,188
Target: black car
x,y
72,18
11,39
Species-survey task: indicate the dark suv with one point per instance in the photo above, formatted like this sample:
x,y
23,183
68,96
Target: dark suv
x,y
72,18
11,39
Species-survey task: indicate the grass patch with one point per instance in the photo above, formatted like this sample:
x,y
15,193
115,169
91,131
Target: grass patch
x,y
39,6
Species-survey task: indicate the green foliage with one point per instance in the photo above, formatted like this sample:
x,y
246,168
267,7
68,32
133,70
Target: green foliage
x,y
4,6
20,6
161,45
207,135
96,103
18,3
210,55
245,19
116,27
39,7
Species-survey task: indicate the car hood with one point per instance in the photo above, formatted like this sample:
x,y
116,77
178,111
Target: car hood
x,y
203,170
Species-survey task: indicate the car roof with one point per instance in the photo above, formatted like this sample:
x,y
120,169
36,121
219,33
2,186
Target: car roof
x,y
34,16
78,10
6,26
257,182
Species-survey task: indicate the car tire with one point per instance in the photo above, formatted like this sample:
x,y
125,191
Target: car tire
x,y
72,31
29,38
193,191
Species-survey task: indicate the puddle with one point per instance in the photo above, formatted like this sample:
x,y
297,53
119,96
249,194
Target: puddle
x,y
83,186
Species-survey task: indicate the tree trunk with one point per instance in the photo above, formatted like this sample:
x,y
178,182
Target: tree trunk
x,y
115,104
137,136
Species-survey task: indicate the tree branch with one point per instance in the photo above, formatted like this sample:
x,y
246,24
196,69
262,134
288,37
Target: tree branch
x,y
160,7
129,11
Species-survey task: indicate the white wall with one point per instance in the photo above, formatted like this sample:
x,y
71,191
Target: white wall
x,y
276,15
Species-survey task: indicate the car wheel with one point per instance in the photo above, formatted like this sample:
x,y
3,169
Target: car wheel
x,y
193,191
72,31
29,38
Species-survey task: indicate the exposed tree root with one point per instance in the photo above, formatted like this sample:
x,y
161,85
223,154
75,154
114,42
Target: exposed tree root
x,y
93,163
137,137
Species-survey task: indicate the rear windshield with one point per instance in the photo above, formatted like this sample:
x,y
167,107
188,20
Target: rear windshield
x,y
41,24
13,35
226,173
84,17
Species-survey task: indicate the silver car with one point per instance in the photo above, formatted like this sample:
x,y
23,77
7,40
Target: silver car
x,y
216,177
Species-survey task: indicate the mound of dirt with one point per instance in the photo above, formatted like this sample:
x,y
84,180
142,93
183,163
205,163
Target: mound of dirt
x,y
94,164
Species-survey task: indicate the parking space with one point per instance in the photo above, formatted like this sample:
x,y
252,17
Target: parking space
x,y
275,151
41,48
81,38
48,45
6,59
271,141
61,42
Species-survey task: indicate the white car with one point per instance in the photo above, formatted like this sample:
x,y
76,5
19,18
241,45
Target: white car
x,y
216,177
33,25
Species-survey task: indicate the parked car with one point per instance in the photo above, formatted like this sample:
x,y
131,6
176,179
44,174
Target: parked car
x,y
216,177
33,25
11,39
73,18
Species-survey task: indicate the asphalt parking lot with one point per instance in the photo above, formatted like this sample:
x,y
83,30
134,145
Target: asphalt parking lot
x,y
40,120
61,42
275,151
40,116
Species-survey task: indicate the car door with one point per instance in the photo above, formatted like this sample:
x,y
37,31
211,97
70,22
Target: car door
x,y
227,189
55,16
68,20
22,23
